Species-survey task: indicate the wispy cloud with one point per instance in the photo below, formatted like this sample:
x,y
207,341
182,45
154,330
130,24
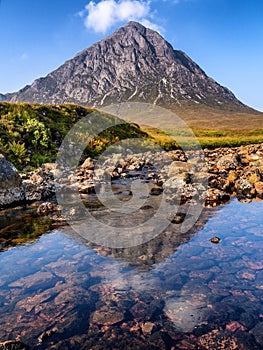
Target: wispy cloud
x,y
24,56
103,15
148,24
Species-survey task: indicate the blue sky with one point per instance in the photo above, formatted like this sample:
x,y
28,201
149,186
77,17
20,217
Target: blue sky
x,y
225,37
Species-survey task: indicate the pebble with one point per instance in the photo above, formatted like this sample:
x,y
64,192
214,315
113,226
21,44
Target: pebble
x,y
147,327
215,240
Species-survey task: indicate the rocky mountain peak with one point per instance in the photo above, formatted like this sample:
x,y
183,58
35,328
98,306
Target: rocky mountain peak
x,y
135,63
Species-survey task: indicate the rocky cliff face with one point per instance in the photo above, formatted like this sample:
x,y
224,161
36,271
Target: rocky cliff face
x,y
133,64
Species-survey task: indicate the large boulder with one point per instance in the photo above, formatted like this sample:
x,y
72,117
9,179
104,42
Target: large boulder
x,y
10,183
9,176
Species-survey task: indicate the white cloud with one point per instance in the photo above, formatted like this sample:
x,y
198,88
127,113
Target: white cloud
x,y
101,16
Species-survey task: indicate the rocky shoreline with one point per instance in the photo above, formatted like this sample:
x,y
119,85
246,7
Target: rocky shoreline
x,y
224,173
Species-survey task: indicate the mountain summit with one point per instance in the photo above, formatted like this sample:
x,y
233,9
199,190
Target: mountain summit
x,y
133,64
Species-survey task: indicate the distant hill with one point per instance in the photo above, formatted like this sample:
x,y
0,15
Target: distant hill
x,y
137,64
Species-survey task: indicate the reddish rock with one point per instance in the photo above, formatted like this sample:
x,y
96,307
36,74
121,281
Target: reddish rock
x,y
235,326
259,189
107,316
217,340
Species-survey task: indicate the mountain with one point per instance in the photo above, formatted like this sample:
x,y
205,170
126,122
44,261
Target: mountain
x,y
133,64
2,98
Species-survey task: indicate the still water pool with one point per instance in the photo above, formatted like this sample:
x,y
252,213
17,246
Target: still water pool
x,y
174,292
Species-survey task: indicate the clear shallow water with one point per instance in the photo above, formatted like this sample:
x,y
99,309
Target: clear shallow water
x,y
93,297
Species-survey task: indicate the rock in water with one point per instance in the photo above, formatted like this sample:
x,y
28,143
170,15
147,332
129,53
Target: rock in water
x,y
107,316
215,240
147,328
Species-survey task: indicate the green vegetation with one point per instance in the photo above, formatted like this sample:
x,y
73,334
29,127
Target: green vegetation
x,y
161,138
30,134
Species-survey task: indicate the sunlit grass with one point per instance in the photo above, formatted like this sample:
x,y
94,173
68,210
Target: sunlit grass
x,y
207,138
212,138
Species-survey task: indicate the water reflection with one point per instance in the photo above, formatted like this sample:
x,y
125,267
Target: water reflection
x,y
155,251
184,290
21,226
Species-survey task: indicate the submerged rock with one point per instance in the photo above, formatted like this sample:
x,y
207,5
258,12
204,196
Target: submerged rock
x,y
13,345
257,332
107,316
45,335
147,327
218,340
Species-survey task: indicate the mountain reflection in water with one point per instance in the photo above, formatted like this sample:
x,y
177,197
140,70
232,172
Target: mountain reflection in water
x,y
172,291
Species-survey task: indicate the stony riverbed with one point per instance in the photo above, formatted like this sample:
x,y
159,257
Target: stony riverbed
x,y
195,289
226,171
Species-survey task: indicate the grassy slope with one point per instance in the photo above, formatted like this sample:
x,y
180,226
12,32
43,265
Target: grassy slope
x,y
223,127
213,127
30,134
220,118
